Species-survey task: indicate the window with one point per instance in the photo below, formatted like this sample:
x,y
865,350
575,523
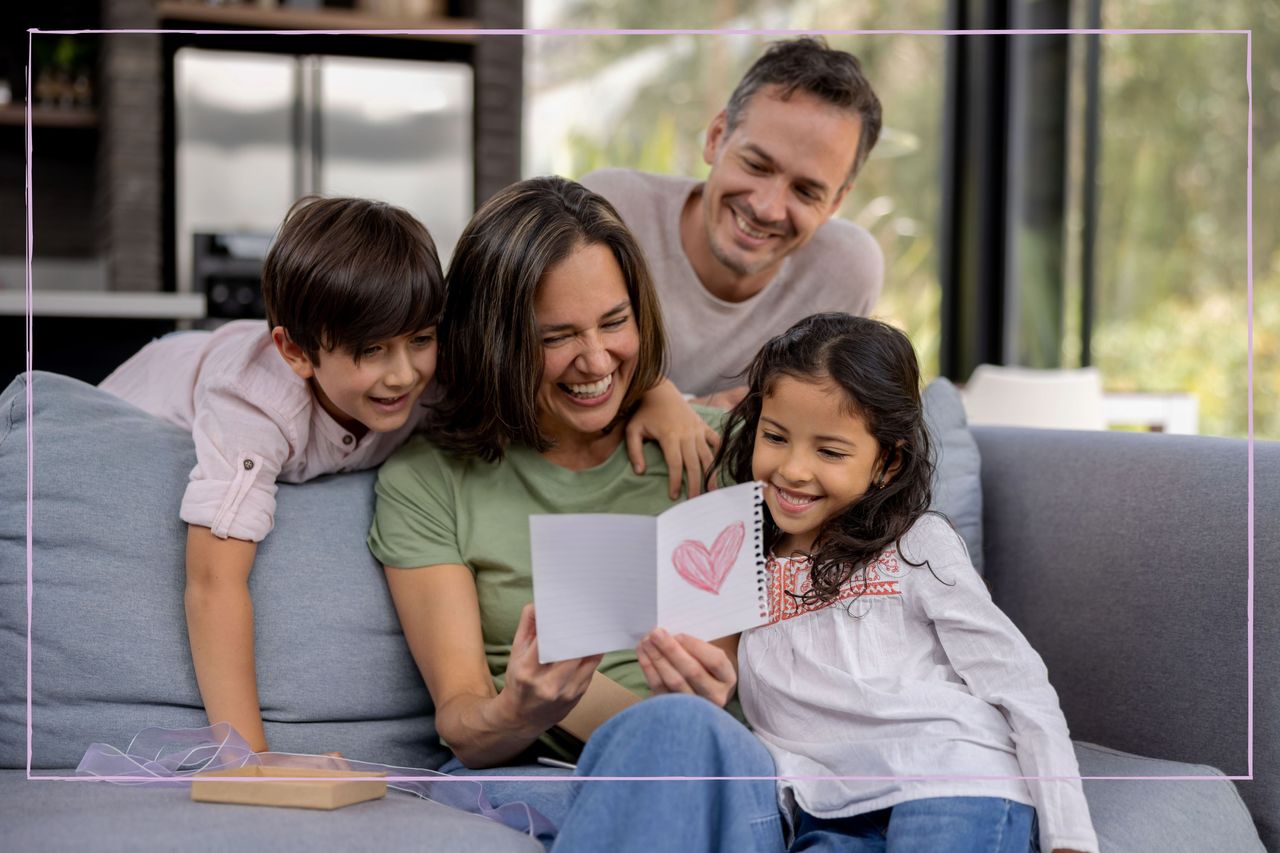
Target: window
x,y
1138,268
1170,308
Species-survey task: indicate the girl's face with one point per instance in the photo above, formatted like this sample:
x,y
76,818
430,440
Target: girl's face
x,y
813,456
590,343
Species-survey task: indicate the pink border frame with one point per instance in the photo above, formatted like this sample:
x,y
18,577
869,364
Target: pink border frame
x,y
30,236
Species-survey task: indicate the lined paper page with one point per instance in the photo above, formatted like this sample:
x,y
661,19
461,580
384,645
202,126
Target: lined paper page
x,y
715,596
593,583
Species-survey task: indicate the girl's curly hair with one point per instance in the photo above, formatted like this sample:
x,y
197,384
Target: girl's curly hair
x,y
874,367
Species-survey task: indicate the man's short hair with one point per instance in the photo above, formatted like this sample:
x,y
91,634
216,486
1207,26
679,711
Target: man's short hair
x,y
344,273
807,64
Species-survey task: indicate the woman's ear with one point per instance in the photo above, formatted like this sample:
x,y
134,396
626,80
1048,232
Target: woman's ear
x,y
292,354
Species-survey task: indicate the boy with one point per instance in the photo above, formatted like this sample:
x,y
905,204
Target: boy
x,y
332,382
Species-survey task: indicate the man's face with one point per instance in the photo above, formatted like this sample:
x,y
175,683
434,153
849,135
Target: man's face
x,y
775,178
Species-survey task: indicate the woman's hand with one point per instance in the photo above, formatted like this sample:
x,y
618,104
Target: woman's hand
x,y
684,664
542,694
687,441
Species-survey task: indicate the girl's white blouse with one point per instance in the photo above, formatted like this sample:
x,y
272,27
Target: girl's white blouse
x,y
920,682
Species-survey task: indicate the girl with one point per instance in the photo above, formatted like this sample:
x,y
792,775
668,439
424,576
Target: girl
x,y
885,657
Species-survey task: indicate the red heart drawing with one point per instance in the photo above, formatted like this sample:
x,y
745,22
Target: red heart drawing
x,y
707,569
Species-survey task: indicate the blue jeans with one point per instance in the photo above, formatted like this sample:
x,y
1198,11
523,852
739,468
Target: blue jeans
x,y
661,736
933,825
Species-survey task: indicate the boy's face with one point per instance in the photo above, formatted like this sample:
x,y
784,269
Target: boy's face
x,y
378,390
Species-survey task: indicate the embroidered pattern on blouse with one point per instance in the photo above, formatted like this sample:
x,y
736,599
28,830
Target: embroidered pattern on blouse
x,y
786,575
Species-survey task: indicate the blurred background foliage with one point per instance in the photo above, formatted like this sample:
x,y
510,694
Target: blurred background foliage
x,y
1170,309
1172,282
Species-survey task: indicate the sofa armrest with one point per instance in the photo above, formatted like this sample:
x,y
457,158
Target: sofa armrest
x,y
1124,559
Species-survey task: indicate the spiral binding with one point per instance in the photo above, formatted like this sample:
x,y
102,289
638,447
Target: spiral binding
x,y
762,575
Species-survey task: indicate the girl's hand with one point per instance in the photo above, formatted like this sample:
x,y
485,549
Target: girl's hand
x,y
684,664
542,694
687,442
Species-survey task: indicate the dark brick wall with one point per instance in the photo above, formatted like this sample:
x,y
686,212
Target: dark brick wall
x,y
130,161
499,69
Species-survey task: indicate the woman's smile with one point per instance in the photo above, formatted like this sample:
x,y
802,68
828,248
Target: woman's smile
x,y
589,394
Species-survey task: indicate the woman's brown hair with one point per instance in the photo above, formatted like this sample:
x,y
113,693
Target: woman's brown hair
x,y
490,351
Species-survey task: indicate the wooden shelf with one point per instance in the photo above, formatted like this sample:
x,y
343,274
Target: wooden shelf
x,y
16,114
256,18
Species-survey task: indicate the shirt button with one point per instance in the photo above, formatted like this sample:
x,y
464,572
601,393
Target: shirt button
x,y
248,464
346,439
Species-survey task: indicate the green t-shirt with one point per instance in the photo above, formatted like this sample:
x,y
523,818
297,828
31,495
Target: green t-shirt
x,y
436,508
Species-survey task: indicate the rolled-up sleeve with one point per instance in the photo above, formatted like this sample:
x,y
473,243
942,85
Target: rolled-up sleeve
x,y
240,450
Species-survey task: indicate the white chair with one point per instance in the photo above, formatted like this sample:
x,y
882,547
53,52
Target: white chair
x,y
1027,397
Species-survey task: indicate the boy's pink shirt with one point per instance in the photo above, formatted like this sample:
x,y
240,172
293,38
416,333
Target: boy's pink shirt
x,y
253,420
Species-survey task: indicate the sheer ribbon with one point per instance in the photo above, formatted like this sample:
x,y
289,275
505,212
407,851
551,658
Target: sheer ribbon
x,y
161,753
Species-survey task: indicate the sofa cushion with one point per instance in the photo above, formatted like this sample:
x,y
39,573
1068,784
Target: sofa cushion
x,y
83,814
1172,816
957,483
1169,815
109,640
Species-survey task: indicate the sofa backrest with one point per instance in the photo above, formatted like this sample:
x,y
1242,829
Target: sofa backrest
x,y
1124,559
108,632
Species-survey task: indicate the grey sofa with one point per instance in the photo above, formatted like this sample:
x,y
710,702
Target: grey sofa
x,y
1121,557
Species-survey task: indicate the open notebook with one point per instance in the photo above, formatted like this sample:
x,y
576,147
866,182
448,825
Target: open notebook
x,y
601,582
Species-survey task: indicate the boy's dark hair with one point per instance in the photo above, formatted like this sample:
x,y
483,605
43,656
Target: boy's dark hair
x,y
490,357
344,273
807,64
874,367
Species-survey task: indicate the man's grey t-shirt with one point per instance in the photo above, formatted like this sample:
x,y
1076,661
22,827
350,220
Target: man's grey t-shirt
x,y
712,341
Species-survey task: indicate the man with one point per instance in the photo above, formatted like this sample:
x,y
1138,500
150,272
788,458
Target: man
x,y
741,257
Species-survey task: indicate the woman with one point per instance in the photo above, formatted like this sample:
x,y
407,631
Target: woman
x,y
551,334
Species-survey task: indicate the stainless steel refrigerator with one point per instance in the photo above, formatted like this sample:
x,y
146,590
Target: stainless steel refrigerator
x,y
255,131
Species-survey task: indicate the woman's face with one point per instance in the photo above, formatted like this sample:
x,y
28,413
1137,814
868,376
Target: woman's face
x,y
590,343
